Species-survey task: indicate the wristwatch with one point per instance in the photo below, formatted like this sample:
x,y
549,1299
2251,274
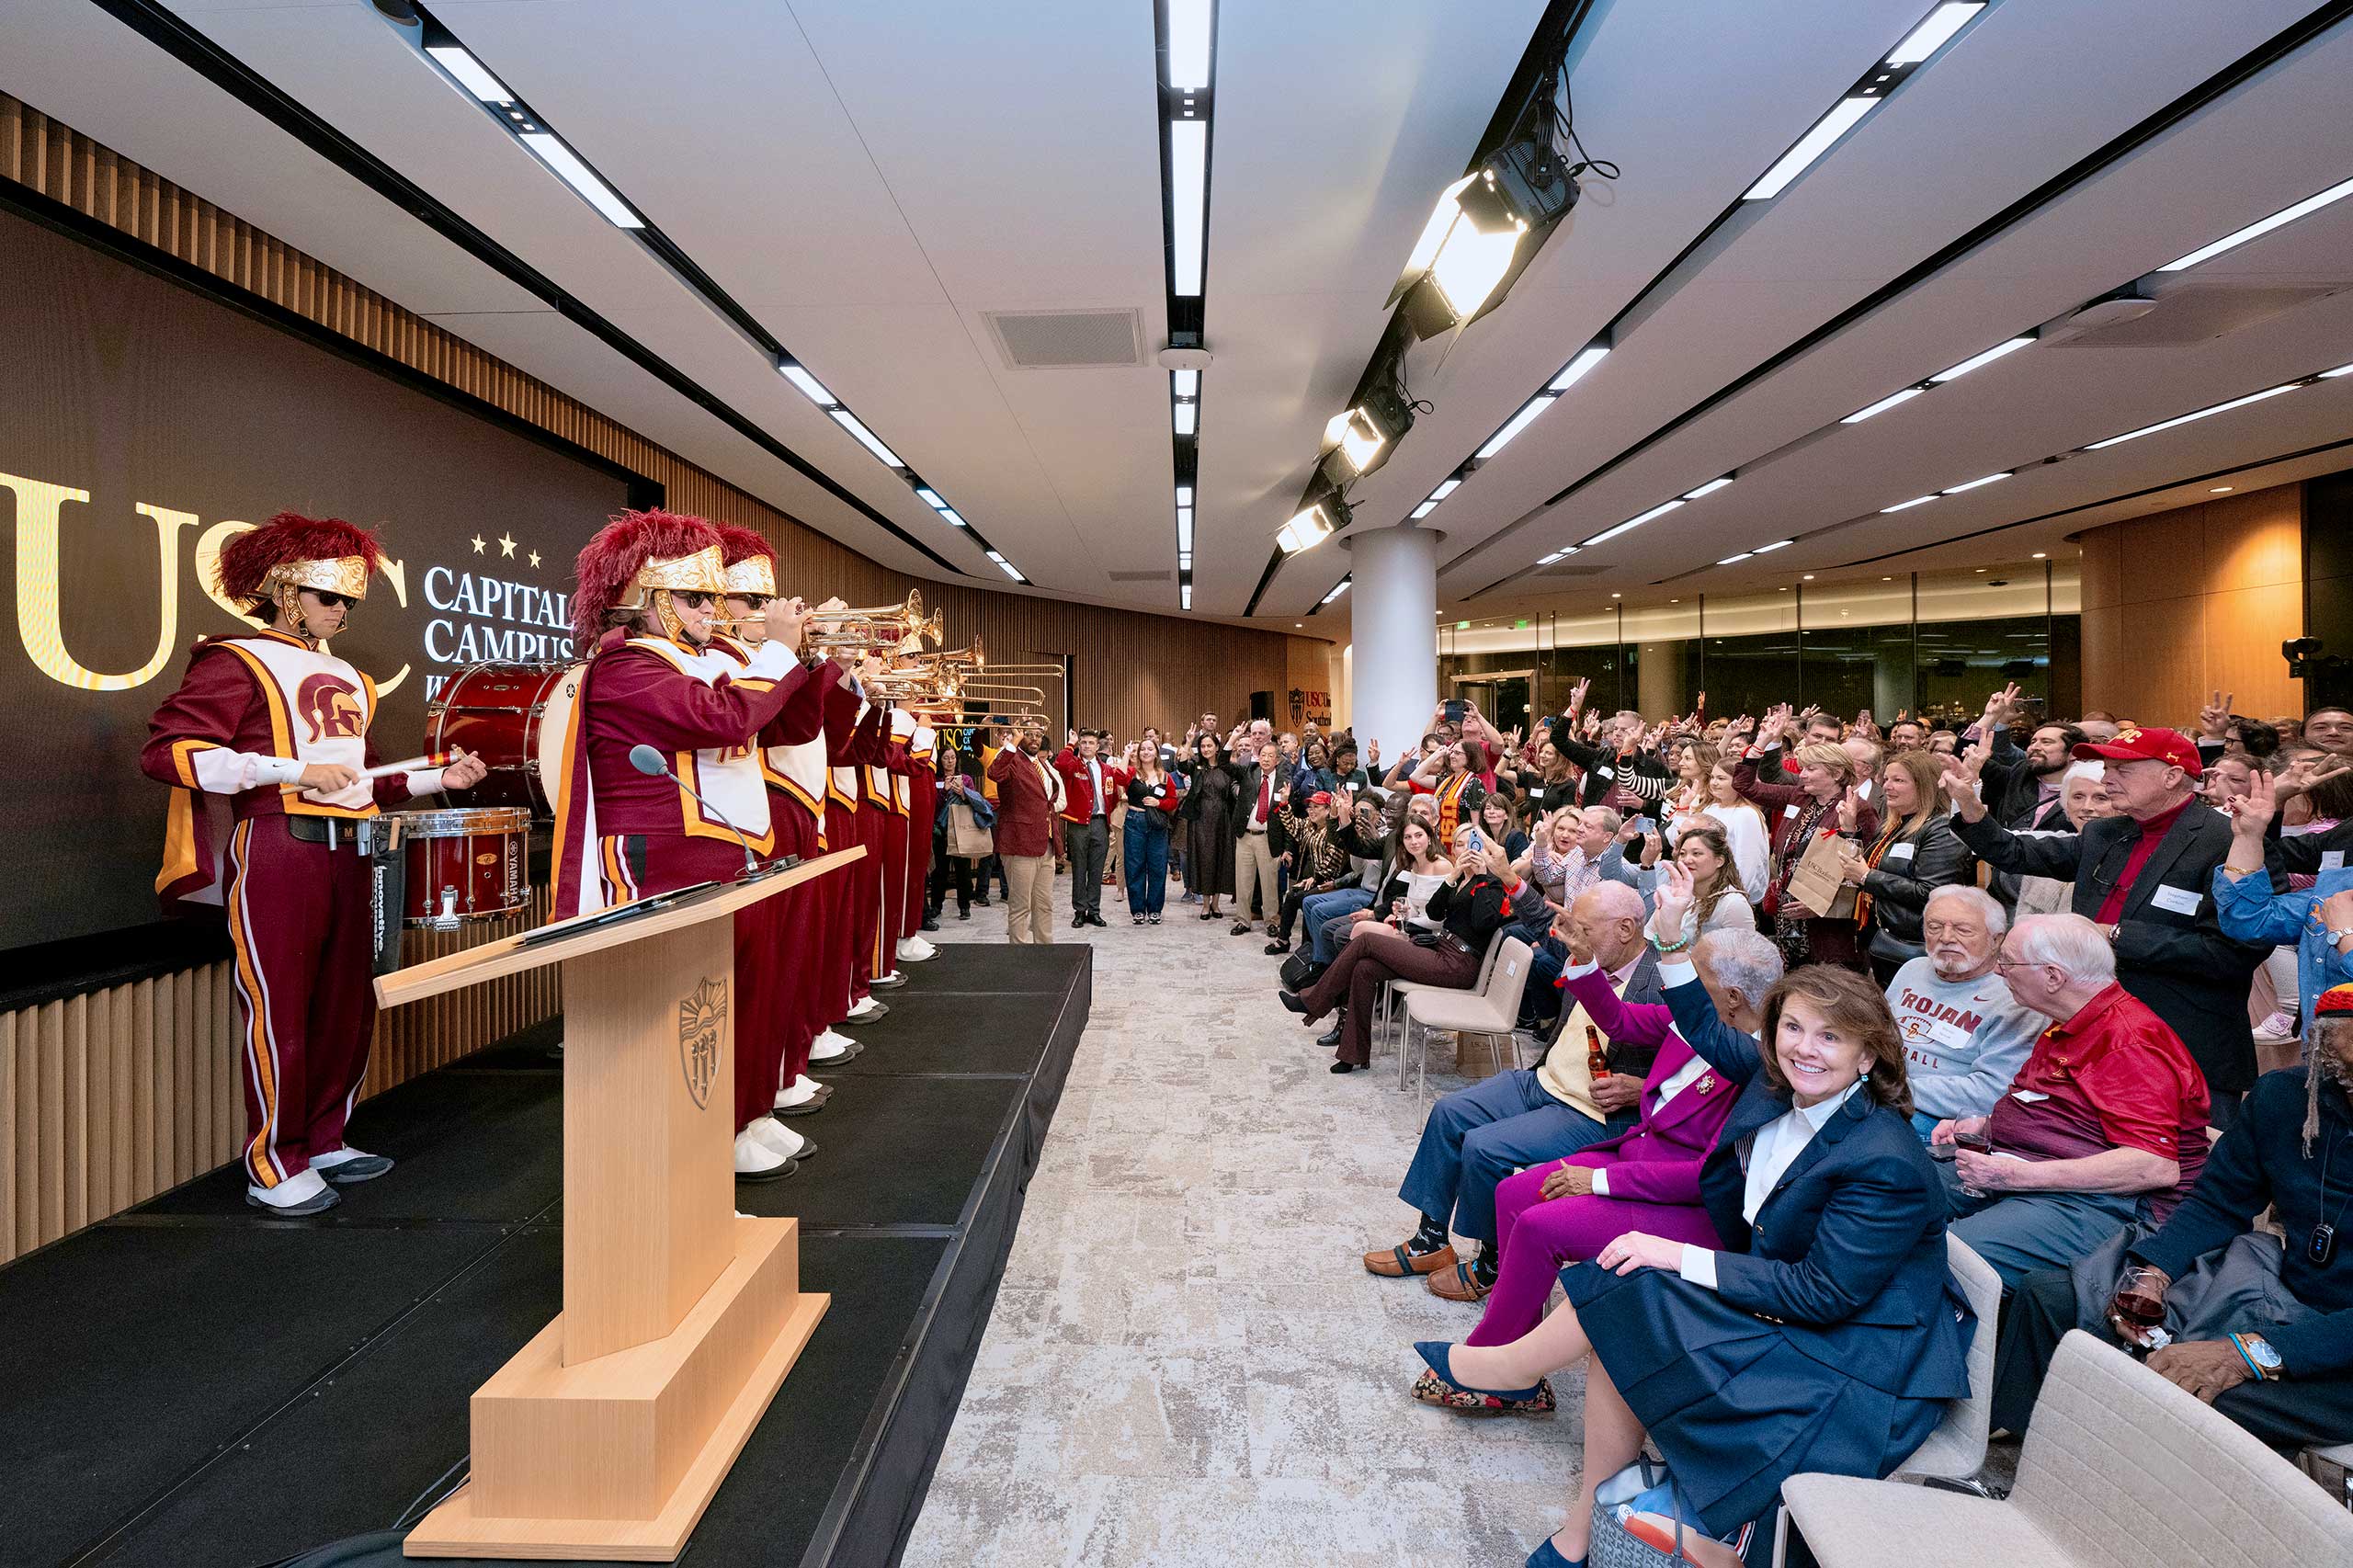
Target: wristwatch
x,y
2338,935
2260,1356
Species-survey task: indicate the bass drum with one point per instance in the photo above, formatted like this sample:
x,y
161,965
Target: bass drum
x,y
514,717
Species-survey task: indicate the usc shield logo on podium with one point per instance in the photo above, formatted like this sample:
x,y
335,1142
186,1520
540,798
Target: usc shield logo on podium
x,y
699,1017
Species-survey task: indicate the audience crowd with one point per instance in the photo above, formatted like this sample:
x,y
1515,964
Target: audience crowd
x,y
1811,1001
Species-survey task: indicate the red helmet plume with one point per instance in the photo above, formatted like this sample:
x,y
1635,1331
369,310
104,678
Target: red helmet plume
x,y
610,562
290,543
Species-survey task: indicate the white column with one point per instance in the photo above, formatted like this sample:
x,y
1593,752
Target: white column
x,y
1392,611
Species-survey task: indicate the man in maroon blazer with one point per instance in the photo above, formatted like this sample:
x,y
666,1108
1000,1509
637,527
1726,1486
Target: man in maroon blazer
x,y
1029,796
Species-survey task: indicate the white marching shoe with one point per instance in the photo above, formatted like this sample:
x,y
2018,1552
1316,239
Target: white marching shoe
x,y
306,1192
868,1008
832,1047
783,1138
804,1090
915,949
757,1159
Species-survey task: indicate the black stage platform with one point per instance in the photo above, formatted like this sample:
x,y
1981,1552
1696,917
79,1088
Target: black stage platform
x,y
193,1385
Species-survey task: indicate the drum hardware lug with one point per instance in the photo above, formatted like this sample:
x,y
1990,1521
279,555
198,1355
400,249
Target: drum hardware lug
x,y
447,920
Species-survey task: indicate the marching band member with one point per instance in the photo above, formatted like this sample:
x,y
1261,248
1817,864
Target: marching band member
x,y
875,969
779,982
923,805
898,730
845,1000
861,808
279,725
643,614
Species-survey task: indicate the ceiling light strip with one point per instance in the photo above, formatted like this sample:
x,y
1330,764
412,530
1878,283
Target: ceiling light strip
x,y
1188,79
1934,31
2279,46
2261,227
437,44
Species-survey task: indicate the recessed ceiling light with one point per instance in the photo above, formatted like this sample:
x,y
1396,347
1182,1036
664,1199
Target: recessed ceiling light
x,y
1935,32
1707,489
1841,119
551,150
1518,421
1617,596
2219,490
472,74
1981,571
1908,506
1188,188
2261,226
1577,368
1809,577
2187,418
2039,555
1978,361
1974,483
1674,601
1887,579
1882,407
1299,626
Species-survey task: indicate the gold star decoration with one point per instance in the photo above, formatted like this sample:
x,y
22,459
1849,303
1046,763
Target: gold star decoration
x,y
535,558
477,544
506,546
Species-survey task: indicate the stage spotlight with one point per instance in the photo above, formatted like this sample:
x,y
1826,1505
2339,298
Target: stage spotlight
x,y
1474,242
1312,526
1364,438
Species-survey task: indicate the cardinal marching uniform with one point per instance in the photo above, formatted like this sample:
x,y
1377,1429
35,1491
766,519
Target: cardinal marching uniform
x,y
281,863
776,971
921,786
839,993
623,833
866,787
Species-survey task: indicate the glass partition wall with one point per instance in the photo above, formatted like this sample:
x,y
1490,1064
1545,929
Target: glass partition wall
x,y
1929,643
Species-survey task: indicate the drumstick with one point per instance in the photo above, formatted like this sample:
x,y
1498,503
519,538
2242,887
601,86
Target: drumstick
x,y
411,765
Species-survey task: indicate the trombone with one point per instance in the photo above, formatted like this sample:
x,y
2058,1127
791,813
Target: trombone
x,y
893,627
973,659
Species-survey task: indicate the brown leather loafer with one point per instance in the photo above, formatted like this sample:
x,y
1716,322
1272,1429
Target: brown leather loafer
x,y
1459,1283
1397,1263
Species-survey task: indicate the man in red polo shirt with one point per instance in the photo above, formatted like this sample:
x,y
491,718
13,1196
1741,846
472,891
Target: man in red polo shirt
x,y
2145,877
2105,1124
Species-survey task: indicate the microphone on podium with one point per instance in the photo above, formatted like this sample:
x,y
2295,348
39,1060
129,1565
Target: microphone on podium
x,y
648,761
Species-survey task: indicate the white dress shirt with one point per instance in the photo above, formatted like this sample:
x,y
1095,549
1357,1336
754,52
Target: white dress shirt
x,y
1771,1152
1094,779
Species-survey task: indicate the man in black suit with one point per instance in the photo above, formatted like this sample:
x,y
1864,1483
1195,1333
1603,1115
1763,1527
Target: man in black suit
x,y
2145,877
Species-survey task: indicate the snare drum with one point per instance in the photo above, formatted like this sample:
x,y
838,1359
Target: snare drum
x,y
467,863
514,717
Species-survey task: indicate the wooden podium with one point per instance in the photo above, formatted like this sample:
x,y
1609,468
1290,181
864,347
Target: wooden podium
x,y
606,1435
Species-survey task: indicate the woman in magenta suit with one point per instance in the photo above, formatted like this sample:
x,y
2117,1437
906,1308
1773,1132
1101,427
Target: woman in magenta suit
x,y
1647,1178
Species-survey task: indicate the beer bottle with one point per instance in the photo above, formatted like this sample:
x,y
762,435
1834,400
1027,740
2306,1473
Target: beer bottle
x,y
1597,1061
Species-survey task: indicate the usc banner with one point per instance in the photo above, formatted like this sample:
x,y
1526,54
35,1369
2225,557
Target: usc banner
x,y
142,426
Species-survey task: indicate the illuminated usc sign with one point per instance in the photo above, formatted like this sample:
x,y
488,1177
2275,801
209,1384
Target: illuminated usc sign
x,y
38,572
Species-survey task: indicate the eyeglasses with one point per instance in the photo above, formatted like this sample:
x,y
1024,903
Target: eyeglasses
x,y
2004,963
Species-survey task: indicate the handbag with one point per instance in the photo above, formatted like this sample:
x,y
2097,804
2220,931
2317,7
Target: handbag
x,y
1819,884
1299,971
967,839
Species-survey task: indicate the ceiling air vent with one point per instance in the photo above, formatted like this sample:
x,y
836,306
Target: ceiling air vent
x,y
1066,340
2191,313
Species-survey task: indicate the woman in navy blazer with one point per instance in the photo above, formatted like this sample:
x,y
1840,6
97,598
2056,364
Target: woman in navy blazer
x,y
1827,1333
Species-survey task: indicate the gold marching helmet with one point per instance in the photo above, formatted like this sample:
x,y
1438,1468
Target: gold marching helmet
x,y
269,566
638,560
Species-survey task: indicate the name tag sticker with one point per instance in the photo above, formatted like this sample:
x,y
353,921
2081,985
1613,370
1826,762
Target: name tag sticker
x,y
2332,860
2181,900
1791,810
1946,1032
2027,1096
1900,851
1604,773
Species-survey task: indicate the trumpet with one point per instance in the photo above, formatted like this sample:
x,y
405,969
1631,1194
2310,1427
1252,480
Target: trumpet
x,y
877,626
974,657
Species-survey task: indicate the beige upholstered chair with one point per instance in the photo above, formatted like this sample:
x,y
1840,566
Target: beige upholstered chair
x,y
1492,1008
2121,1467
1393,991
1955,1452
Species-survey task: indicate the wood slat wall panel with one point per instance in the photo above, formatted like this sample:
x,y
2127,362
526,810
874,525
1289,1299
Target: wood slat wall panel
x,y
112,1097
107,1098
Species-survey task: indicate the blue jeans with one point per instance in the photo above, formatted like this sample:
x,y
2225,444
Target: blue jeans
x,y
1478,1136
1143,855
1543,992
1325,916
